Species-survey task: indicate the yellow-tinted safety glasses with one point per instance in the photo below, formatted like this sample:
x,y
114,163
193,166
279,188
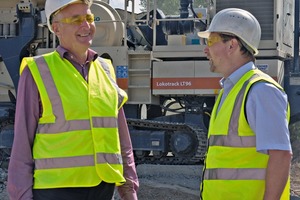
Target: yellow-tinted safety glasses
x,y
77,20
212,40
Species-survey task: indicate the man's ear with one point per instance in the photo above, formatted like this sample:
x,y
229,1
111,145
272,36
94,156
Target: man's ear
x,y
233,44
56,29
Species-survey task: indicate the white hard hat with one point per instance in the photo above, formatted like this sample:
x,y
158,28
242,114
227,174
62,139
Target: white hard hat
x,y
52,6
238,22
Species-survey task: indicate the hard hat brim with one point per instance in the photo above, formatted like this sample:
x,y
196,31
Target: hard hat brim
x,y
203,34
50,10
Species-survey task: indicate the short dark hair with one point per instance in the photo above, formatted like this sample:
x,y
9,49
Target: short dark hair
x,y
246,50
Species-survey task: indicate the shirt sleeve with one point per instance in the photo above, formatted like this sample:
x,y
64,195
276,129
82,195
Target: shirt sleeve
x,y
20,170
128,191
266,109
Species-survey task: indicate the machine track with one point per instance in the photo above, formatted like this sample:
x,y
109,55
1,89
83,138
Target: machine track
x,y
197,154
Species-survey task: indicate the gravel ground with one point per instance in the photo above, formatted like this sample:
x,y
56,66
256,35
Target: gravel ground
x,y
3,179
171,182
295,179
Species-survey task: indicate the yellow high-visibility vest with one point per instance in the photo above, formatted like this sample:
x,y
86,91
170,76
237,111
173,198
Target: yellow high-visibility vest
x,y
77,141
233,168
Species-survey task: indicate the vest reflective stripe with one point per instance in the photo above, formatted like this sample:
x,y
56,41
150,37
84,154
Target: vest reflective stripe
x,y
235,174
232,141
72,125
83,161
105,122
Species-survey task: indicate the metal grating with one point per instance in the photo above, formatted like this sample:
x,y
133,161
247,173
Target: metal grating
x,y
262,10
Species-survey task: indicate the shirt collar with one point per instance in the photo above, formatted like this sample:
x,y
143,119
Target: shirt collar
x,y
237,74
64,53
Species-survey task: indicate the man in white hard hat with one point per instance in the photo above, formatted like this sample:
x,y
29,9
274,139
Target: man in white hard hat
x,y
71,137
249,150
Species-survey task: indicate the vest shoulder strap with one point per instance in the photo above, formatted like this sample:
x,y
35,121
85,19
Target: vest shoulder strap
x,y
259,77
108,70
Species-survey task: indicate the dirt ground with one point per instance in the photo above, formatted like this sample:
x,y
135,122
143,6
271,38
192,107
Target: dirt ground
x,y
295,179
161,192
295,168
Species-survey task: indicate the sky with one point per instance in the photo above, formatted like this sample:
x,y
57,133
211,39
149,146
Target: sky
x,y
120,4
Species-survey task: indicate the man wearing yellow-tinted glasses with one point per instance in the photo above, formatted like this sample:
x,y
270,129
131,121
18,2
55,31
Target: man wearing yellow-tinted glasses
x,y
249,151
71,137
